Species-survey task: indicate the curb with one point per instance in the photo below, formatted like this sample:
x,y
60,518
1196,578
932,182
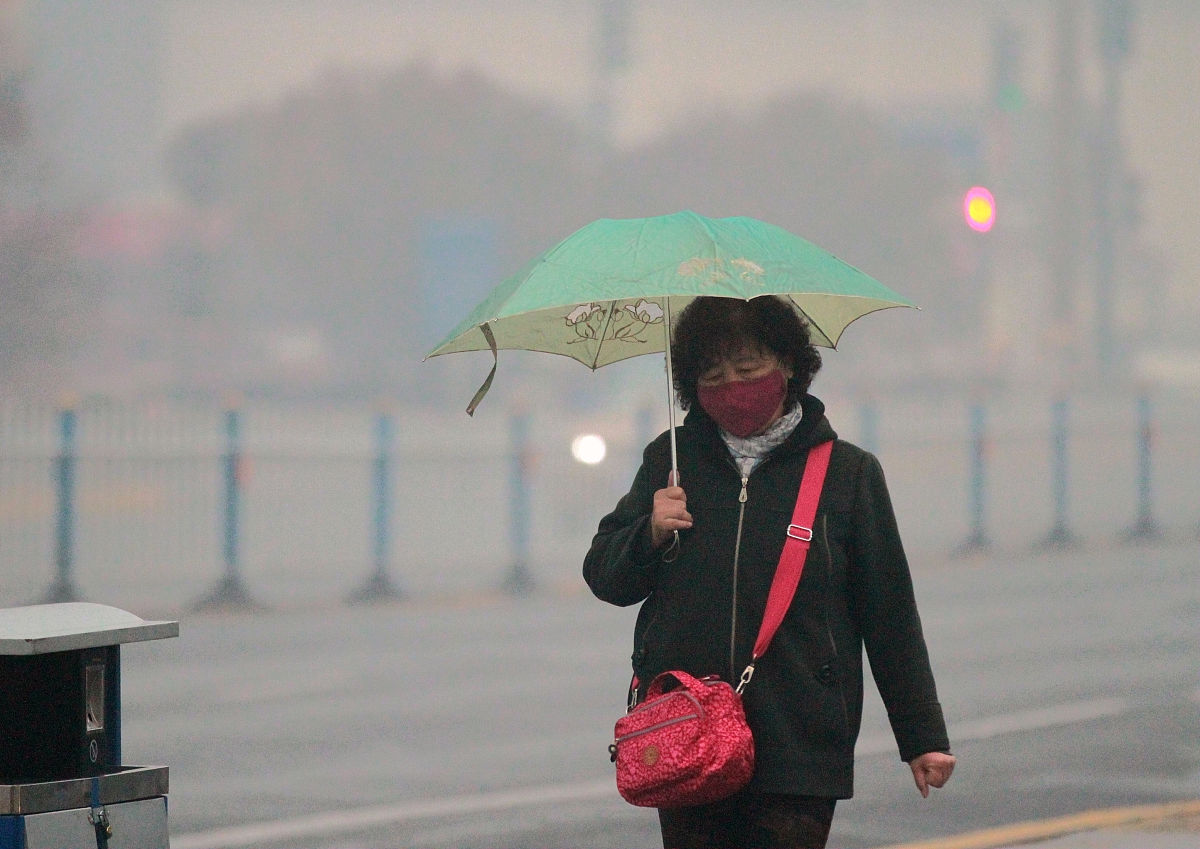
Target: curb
x,y
1035,830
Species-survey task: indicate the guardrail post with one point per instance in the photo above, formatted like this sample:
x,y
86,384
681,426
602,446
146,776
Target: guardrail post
x,y
63,588
1060,535
1144,528
379,586
230,590
977,539
519,580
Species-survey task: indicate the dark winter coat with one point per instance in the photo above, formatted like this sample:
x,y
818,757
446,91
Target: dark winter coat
x,y
701,615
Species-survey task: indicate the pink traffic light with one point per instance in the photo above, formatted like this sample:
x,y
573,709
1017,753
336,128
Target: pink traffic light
x,y
979,209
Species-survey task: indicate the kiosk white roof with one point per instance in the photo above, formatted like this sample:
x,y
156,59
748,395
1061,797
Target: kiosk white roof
x,y
68,626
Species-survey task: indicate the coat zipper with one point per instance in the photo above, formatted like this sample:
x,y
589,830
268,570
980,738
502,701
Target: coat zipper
x,y
743,497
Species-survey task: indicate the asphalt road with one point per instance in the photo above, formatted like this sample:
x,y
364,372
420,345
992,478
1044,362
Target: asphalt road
x,y
1070,681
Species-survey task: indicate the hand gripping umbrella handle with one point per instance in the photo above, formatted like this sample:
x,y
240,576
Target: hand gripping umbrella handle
x,y
672,551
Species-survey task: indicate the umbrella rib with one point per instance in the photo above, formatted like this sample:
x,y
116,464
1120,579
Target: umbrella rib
x,y
603,332
833,340
708,231
641,234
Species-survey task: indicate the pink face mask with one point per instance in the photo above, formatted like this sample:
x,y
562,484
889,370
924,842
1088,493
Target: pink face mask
x,y
744,407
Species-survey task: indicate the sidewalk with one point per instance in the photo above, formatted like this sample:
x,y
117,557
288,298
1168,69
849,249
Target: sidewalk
x,y
1173,825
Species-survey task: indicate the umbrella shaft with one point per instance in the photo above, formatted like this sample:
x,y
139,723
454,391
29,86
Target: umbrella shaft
x,y
670,393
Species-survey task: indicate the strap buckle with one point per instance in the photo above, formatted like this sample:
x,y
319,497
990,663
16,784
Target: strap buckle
x,y
799,532
747,674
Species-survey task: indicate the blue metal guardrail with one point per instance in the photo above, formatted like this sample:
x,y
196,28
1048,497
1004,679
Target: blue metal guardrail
x,y
312,509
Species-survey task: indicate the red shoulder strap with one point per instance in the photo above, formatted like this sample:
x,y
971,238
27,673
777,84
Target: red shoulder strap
x,y
795,547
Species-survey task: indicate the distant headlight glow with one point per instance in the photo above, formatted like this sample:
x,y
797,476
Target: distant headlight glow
x,y
588,448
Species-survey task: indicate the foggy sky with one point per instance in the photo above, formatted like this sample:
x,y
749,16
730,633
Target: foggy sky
x,y
688,57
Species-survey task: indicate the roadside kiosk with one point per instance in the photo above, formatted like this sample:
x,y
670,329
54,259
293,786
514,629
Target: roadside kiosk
x,y
62,782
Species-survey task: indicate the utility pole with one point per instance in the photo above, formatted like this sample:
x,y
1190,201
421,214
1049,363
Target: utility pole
x,y
1001,315
1114,29
14,120
1064,208
610,56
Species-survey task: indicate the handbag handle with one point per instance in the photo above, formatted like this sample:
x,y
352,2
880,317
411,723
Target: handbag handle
x,y
659,685
795,550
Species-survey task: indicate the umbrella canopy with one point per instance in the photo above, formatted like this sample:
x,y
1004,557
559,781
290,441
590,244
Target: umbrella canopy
x,y
606,292
595,295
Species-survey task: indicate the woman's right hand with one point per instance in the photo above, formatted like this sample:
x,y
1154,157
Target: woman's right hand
x,y
669,515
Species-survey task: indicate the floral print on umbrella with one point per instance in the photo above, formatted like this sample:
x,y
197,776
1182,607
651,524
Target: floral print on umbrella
x,y
712,270
591,321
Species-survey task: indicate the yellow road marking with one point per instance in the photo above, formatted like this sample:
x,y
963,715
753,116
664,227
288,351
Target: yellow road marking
x,y
1025,832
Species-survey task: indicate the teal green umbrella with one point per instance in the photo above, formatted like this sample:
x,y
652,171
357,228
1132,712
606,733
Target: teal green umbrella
x,y
607,292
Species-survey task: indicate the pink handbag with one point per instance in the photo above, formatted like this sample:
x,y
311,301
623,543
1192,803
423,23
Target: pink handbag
x,y
689,744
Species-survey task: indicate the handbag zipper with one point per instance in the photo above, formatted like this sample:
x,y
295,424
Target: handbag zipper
x,y
612,749
666,723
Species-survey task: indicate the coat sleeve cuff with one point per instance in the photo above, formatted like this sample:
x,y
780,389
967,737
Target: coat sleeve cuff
x,y
641,550
920,730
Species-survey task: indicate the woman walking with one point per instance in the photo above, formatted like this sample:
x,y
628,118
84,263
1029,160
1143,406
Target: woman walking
x,y
700,558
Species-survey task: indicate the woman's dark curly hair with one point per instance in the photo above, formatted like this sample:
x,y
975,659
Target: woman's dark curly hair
x,y
708,329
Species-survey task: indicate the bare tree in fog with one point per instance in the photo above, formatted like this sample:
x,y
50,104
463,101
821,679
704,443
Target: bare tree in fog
x,y
328,190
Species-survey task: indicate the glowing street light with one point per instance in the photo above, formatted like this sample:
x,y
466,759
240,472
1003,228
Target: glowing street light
x,y
979,209
588,448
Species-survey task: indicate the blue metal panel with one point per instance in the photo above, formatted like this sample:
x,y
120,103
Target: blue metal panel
x,y
12,832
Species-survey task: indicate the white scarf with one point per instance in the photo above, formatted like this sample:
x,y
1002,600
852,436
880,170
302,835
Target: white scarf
x,y
749,451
